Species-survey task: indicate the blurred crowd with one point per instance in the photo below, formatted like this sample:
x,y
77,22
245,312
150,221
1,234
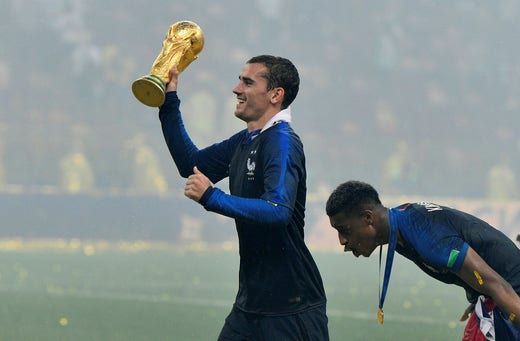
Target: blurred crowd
x,y
415,97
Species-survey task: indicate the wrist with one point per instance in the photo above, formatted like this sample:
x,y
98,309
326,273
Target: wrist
x,y
206,195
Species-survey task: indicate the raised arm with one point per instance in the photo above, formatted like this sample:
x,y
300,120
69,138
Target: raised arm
x,y
179,143
213,160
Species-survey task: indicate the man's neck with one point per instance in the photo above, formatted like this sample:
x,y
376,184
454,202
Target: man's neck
x,y
271,119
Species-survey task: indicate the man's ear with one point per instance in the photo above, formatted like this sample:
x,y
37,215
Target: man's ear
x,y
368,217
277,95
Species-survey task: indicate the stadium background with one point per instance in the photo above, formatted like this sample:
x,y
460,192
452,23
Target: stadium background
x,y
419,98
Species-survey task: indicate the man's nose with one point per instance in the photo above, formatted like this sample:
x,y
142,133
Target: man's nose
x,y
342,239
237,89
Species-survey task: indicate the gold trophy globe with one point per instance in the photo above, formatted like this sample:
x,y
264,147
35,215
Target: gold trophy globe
x,y
184,41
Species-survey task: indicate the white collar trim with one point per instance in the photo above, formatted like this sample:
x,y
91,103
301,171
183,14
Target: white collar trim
x,y
284,115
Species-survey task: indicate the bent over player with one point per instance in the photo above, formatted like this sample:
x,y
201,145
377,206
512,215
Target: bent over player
x,y
280,293
449,245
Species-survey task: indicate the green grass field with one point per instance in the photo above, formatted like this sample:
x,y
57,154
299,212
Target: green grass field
x,y
168,294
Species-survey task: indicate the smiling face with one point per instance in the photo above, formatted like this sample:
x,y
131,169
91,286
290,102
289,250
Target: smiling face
x,y
356,233
255,104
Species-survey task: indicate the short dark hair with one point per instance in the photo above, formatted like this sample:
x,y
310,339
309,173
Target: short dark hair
x,y
281,72
352,197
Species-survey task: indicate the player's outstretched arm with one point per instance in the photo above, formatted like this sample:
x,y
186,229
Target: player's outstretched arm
x,y
481,277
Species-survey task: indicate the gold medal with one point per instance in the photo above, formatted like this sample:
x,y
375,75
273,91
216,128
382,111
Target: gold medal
x,y
380,316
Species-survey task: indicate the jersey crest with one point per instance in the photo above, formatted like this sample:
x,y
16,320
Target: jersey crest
x,y
251,165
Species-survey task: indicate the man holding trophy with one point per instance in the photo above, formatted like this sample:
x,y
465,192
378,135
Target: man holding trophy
x,y
280,294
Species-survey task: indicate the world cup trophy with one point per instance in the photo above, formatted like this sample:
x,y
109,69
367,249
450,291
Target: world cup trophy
x,y
184,41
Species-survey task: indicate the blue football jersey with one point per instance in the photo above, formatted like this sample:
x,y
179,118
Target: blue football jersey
x,y
437,239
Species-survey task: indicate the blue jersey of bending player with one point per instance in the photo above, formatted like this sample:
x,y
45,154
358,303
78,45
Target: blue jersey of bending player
x,y
436,238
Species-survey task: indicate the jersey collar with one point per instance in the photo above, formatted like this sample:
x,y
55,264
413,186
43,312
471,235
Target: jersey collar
x,y
284,116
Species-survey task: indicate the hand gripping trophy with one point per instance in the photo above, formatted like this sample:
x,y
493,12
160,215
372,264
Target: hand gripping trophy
x,y
182,45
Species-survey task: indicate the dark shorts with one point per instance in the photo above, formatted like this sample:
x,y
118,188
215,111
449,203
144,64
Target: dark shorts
x,y
310,325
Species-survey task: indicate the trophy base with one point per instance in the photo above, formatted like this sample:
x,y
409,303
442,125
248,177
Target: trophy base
x,y
149,90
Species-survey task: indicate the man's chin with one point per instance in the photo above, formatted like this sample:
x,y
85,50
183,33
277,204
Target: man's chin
x,y
358,254
239,115
369,253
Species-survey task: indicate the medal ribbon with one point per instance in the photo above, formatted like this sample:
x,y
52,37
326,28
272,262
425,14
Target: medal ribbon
x,y
388,268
